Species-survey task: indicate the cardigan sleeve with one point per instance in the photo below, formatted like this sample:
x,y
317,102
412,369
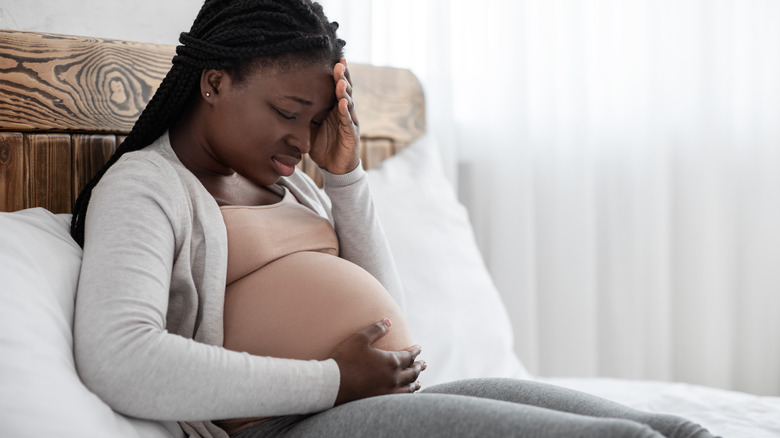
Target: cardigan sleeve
x,y
135,243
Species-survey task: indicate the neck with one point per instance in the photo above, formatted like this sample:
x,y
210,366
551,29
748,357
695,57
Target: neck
x,y
191,147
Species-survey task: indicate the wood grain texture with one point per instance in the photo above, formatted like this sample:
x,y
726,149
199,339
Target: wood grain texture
x,y
13,183
63,83
90,152
48,156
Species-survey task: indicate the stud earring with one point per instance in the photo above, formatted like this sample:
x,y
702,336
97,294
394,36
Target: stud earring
x,y
208,94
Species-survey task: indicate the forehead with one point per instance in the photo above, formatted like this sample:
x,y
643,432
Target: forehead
x,y
308,81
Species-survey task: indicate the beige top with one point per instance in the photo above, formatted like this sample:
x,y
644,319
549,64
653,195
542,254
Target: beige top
x,y
283,228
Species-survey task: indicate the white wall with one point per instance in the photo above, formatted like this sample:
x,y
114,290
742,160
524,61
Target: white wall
x,y
155,21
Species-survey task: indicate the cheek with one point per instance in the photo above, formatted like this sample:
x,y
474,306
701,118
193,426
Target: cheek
x,y
244,130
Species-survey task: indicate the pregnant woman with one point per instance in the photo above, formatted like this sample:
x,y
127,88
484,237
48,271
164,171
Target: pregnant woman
x,y
221,289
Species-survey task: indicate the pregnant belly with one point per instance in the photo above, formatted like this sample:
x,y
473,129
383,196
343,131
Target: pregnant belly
x,y
302,305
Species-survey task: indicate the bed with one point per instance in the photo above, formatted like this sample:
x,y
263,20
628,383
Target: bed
x,y
66,102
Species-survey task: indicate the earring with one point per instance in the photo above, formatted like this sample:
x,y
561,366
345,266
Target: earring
x,y
208,94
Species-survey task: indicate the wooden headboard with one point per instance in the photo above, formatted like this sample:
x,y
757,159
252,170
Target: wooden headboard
x,y
66,102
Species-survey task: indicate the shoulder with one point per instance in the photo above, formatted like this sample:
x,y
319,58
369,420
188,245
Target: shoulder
x,y
144,182
143,164
154,172
140,173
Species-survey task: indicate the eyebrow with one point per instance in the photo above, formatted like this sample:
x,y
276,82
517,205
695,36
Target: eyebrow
x,y
299,100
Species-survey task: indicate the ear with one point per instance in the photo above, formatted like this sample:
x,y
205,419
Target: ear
x,y
211,82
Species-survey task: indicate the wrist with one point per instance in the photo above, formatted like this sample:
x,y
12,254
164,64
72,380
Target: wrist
x,y
343,179
343,169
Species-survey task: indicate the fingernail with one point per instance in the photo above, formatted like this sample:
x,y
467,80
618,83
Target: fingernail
x,y
424,365
387,322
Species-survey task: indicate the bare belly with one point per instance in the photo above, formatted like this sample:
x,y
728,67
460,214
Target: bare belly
x,y
301,306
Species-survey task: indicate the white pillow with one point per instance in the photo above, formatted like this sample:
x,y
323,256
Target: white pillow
x,y
40,393
452,306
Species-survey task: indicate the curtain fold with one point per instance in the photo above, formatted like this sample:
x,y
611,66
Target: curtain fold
x,y
620,160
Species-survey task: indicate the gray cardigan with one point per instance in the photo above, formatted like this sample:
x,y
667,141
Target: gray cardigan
x,y
148,322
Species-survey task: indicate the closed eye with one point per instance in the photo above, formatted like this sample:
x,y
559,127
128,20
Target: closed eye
x,y
283,115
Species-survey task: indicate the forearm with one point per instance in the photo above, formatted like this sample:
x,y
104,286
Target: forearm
x,y
153,374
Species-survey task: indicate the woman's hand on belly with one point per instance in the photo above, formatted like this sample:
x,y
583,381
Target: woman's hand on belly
x,y
367,371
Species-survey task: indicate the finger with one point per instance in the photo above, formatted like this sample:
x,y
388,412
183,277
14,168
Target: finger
x,y
348,90
406,357
342,91
347,121
407,376
417,367
340,74
346,104
415,351
345,116
375,330
346,70
352,113
411,373
408,389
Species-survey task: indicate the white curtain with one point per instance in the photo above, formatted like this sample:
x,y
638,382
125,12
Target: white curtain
x,y
620,160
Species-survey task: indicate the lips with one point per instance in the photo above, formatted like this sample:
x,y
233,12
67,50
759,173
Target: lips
x,y
285,164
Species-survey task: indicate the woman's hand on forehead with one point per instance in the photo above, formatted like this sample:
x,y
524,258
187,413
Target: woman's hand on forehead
x,y
337,146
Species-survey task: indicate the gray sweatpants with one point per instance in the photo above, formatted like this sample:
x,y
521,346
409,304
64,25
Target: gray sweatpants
x,y
480,408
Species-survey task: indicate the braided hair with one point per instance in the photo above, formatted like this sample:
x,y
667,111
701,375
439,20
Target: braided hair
x,y
229,35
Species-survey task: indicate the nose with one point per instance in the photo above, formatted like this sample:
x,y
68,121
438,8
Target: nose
x,y
301,139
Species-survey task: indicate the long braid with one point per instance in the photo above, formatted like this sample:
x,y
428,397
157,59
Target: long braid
x,y
230,35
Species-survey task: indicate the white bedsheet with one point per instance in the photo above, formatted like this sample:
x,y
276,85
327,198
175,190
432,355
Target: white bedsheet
x,y
729,414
